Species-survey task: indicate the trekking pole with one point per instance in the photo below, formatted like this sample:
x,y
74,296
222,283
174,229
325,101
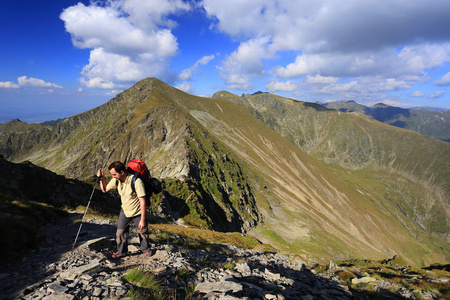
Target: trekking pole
x,y
82,221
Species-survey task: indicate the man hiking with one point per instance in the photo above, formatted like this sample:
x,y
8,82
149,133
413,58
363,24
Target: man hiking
x,y
132,208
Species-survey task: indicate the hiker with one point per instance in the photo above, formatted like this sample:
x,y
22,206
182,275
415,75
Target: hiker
x,y
132,208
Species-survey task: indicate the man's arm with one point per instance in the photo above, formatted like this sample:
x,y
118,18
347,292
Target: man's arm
x,y
142,221
102,181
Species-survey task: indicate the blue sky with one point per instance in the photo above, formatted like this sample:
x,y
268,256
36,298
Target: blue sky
x,y
62,57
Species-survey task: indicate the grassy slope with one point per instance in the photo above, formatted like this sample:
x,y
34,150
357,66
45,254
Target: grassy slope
x,y
384,196
309,209
431,123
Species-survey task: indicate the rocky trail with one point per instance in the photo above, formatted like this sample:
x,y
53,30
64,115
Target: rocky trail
x,y
56,271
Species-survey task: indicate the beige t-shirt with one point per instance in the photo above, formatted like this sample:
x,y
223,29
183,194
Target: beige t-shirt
x,y
130,201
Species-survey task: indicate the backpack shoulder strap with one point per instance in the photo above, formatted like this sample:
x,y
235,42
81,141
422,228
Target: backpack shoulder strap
x,y
133,181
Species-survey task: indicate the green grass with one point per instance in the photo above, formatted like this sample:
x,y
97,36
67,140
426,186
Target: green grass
x,y
393,271
184,273
229,266
108,214
145,286
197,238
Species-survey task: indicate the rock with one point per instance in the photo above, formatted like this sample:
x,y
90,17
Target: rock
x,y
60,272
74,273
272,276
56,288
243,268
331,266
223,287
363,280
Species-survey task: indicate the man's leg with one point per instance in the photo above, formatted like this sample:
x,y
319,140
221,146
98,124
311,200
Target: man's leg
x,y
143,234
123,228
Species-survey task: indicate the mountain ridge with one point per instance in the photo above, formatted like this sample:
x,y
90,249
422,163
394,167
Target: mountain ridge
x,y
433,123
220,162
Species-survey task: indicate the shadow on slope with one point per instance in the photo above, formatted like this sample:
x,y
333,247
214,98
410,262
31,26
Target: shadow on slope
x,y
32,197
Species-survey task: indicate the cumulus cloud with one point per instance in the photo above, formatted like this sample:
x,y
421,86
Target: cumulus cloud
x,y
437,94
390,62
394,103
417,94
444,80
185,86
332,47
332,40
245,63
320,79
187,74
364,88
130,39
24,81
282,86
332,25
9,85
35,82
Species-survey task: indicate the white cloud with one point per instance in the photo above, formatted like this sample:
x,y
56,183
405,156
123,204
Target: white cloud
x,y
332,25
106,70
24,81
106,27
394,103
337,47
35,82
9,85
152,14
320,79
245,63
113,92
411,60
347,87
187,74
204,60
417,94
130,39
444,80
368,46
364,88
437,94
282,86
185,86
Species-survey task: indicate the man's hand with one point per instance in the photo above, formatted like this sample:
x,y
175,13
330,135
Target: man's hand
x,y
141,224
100,173
101,178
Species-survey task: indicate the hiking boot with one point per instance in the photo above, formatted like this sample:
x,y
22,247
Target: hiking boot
x,y
147,252
116,256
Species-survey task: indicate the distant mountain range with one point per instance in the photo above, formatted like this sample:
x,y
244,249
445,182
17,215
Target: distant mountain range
x,y
309,180
427,121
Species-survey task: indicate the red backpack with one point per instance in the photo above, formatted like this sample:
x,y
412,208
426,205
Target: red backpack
x,y
139,169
